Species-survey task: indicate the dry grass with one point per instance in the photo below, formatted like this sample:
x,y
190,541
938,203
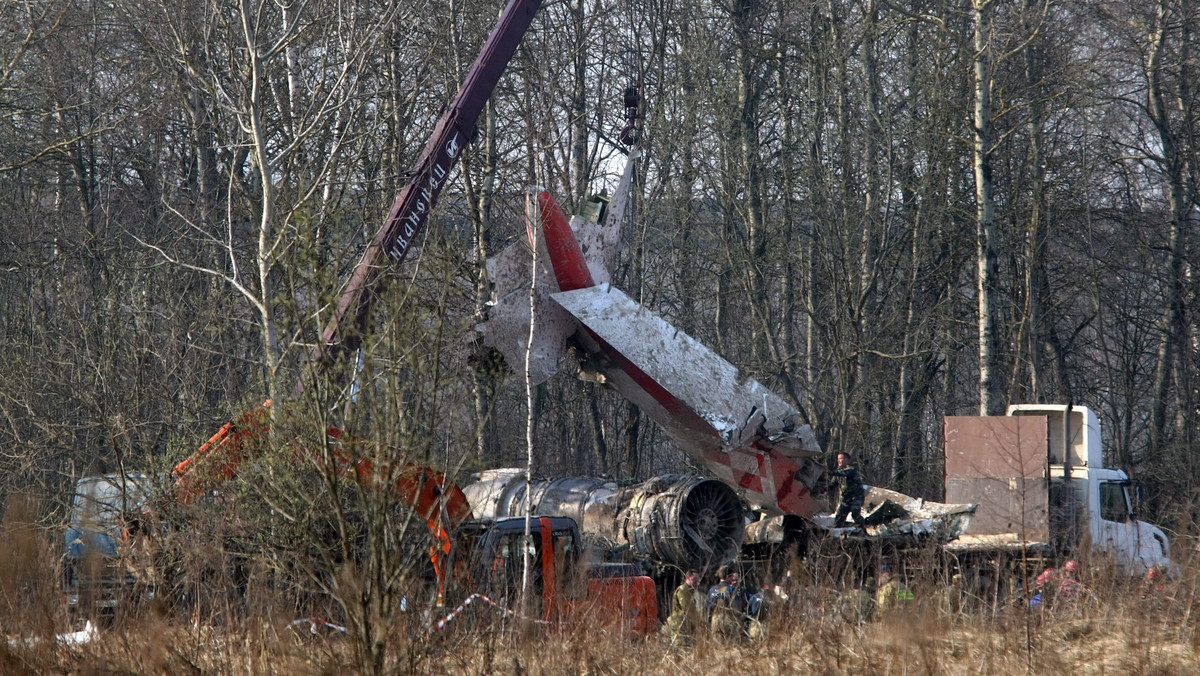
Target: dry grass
x,y
1115,631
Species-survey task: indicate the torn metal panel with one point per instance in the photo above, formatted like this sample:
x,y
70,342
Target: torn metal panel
x,y
891,514
915,507
507,328
774,529
999,542
673,519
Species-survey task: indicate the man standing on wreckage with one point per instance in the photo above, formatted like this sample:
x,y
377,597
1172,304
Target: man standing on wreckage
x,y
853,492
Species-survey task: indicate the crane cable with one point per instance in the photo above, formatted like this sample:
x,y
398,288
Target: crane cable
x,y
631,134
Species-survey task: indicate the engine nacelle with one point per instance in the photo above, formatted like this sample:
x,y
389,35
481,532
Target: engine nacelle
x,y
682,520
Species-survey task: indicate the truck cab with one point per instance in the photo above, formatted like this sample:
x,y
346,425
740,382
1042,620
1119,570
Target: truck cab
x,y
1100,493
102,511
1114,528
1039,480
564,583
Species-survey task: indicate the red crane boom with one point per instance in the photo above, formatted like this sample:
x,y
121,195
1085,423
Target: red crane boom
x,y
408,215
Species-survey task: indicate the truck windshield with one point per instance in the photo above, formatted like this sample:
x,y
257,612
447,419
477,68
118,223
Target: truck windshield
x,y
103,501
101,511
1113,504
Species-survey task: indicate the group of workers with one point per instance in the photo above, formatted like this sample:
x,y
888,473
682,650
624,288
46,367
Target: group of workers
x,y
876,600
730,610
1057,586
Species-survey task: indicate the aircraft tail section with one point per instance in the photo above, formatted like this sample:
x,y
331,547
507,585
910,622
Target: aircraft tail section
x,y
572,254
742,432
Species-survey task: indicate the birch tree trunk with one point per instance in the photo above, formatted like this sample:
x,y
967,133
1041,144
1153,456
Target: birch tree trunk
x,y
1158,99
985,215
264,258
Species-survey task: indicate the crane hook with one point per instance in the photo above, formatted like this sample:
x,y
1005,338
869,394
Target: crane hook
x,y
631,134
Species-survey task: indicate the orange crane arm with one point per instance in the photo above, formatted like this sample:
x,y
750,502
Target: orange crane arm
x,y
429,493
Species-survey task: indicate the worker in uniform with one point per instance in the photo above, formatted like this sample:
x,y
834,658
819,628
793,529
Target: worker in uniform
x,y
687,611
1070,587
953,597
887,592
756,611
853,492
730,603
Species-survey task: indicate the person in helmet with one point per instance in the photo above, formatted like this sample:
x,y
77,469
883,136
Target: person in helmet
x,y
1070,587
1043,588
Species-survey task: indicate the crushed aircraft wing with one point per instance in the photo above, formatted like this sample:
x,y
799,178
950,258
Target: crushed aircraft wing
x,y
742,432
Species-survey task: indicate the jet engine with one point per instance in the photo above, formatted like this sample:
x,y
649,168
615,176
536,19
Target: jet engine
x,y
682,520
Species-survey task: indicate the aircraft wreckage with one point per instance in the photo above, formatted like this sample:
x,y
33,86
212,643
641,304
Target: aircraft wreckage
x,y
691,521
744,434
763,455
681,520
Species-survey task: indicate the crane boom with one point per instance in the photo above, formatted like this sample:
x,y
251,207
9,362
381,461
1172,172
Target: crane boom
x,y
222,455
408,215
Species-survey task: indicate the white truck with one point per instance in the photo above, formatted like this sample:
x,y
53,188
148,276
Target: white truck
x,y
102,511
1038,478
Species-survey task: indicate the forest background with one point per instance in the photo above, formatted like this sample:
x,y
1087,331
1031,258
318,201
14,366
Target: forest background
x,y
887,211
